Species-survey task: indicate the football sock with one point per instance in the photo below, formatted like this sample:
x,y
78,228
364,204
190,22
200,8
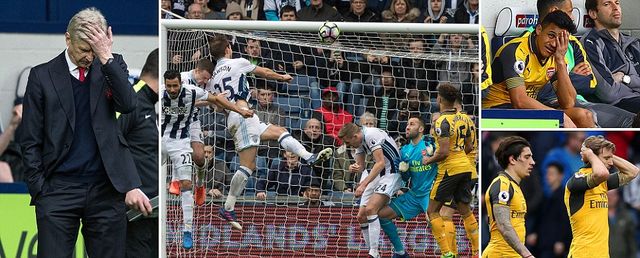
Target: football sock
x,y
290,144
391,231
187,209
238,182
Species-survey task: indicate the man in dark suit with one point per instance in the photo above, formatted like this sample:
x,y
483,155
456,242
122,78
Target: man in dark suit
x,y
79,166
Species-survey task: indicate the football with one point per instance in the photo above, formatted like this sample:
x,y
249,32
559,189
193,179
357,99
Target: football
x,y
328,33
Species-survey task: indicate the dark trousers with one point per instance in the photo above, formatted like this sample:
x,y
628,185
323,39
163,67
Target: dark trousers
x,y
64,203
630,104
142,238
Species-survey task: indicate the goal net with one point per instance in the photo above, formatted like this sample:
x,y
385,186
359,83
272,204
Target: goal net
x,y
376,70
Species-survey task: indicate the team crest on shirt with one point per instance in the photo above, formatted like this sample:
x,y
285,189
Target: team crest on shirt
x,y
518,66
503,196
550,72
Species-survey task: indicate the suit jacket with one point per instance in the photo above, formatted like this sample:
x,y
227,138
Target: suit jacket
x,y
49,120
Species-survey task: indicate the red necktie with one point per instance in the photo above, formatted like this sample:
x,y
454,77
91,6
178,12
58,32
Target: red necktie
x,y
81,77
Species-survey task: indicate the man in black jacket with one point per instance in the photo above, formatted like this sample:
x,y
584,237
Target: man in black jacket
x,y
140,128
78,164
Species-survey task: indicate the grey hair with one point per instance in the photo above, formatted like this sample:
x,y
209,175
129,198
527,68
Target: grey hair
x,y
80,20
368,115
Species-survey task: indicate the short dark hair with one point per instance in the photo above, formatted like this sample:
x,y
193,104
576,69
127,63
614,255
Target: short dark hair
x,y
420,120
545,5
448,92
172,74
560,19
558,166
150,67
511,146
288,8
218,45
206,65
591,5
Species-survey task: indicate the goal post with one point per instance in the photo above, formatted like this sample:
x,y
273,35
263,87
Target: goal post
x,y
368,61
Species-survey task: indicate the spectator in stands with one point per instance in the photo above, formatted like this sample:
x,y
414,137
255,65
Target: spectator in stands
x,y
614,56
385,104
343,180
467,13
6,137
288,13
581,76
332,114
312,195
254,53
318,11
208,13
251,9
234,12
454,45
470,90
270,113
622,227
369,120
360,13
314,141
414,105
400,11
179,7
420,70
436,12
568,156
186,48
195,12
167,6
295,59
344,75
221,174
520,82
273,8
287,179
551,234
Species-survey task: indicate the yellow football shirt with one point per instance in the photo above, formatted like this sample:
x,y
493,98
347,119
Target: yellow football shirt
x,y
453,125
516,64
588,213
503,190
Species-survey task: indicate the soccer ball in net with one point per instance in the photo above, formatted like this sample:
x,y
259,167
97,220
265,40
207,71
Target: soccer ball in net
x,y
328,32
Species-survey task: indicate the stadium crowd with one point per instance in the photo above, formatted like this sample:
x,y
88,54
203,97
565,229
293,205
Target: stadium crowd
x,y
330,87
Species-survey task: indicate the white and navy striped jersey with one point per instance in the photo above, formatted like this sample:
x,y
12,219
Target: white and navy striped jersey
x,y
178,113
373,139
188,77
230,78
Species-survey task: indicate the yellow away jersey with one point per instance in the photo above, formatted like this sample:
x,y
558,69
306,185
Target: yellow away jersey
x,y
473,155
503,190
453,125
588,214
485,49
514,65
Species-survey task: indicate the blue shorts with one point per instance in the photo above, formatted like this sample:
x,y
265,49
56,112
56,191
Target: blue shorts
x,y
408,205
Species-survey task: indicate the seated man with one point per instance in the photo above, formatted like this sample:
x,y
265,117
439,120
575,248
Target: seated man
x,y
525,64
614,56
581,76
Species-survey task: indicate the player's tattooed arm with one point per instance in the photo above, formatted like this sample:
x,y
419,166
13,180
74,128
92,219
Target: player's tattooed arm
x,y
628,171
503,221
